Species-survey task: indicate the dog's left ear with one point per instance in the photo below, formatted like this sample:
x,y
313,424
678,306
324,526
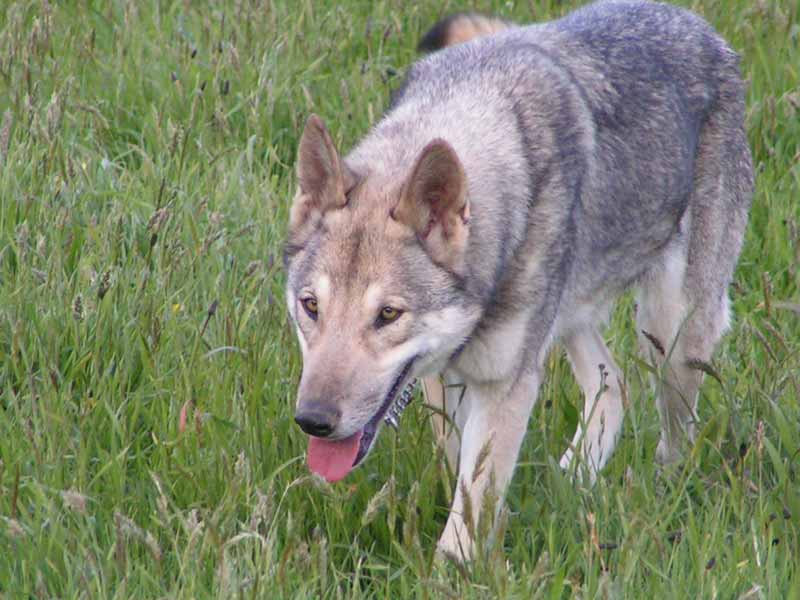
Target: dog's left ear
x,y
323,178
434,204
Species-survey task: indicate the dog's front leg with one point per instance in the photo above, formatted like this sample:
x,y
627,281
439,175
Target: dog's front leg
x,y
490,443
446,394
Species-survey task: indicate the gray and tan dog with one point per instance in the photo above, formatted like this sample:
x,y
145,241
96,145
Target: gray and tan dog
x,y
519,183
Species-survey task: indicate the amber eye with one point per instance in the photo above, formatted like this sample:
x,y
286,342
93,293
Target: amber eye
x,y
310,305
388,315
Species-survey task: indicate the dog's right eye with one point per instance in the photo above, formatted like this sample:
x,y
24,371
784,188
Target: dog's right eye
x,y
310,306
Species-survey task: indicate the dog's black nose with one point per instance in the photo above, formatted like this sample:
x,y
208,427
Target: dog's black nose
x,y
317,420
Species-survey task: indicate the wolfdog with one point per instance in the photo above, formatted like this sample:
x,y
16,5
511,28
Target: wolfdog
x,y
521,179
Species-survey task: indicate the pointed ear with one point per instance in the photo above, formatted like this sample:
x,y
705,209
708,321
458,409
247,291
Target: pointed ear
x,y
322,176
434,204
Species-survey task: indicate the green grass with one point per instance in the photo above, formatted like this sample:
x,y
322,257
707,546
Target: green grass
x,y
146,153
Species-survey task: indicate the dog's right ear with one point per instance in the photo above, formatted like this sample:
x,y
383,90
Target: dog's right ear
x,y
323,178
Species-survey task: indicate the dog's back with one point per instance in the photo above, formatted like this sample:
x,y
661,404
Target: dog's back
x,y
604,106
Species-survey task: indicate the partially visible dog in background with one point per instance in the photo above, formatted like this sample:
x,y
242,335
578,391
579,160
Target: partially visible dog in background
x,y
519,182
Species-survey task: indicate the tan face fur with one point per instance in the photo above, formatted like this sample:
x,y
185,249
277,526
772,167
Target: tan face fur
x,y
372,266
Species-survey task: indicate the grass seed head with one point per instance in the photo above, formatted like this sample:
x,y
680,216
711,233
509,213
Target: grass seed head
x,y
77,308
74,501
5,133
14,528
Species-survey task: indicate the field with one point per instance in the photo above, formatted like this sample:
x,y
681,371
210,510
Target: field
x,y
148,372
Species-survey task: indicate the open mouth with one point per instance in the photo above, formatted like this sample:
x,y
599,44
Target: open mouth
x,y
334,459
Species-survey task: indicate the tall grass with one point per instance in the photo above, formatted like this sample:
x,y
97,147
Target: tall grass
x,y
147,371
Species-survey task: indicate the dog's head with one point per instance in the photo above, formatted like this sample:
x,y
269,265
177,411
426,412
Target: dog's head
x,y
375,266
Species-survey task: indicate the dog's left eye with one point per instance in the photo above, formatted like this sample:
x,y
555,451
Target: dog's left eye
x,y
388,315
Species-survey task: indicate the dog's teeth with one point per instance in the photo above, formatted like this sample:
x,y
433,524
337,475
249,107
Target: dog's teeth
x,y
391,420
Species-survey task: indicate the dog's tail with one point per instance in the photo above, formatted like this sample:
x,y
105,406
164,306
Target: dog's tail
x,y
459,28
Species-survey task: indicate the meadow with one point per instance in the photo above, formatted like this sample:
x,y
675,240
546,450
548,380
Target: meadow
x,y
148,371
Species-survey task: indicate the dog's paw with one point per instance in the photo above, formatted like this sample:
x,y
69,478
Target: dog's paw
x,y
566,461
445,556
576,469
454,545
668,454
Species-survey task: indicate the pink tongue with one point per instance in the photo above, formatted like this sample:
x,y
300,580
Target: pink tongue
x,y
333,459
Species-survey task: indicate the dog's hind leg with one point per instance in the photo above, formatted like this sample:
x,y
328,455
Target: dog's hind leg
x,y
600,380
684,306
662,318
